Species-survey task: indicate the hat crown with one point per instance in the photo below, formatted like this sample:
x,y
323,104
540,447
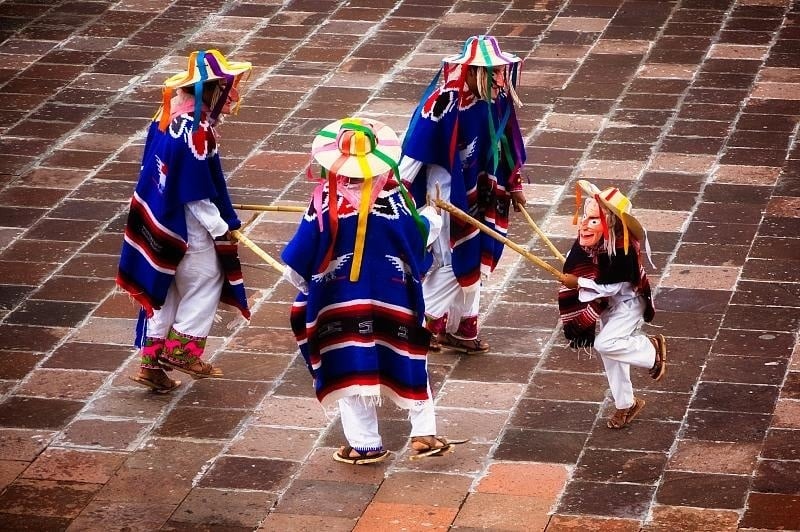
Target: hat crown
x,y
482,50
616,199
356,139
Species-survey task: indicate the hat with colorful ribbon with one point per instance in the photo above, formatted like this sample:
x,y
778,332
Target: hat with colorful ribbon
x,y
203,66
618,203
356,147
482,50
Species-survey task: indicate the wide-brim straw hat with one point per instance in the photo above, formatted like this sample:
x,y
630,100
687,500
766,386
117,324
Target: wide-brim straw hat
x,y
615,201
482,50
356,147
207,65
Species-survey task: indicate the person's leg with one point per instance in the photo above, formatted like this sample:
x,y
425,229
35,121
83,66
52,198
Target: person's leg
x,y
151,373
439,289
360,425
463,329
199,284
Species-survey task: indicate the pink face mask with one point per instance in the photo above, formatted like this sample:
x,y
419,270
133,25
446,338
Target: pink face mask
x,y
590,228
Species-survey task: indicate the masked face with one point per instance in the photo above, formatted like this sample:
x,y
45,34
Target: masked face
x,y
590,229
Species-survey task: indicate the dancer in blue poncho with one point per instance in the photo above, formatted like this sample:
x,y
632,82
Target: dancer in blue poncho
x,y
464,137
177,260
357,259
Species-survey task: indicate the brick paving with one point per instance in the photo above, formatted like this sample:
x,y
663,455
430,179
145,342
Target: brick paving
x,y
690,106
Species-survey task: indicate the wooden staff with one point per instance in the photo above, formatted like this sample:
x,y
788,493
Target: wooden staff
x,y
464,217
258,251
539,232
278,208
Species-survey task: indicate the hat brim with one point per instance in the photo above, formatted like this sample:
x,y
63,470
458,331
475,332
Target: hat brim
x,y
216,68
326,151
630,221
479,60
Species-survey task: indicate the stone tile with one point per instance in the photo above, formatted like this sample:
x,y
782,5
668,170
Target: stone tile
x,y
130,403
707,277
235,472
751,370
501,369
201,422
62,384
279,443
501,512
15,365
23,444
34,522
209,507
542,481
568,523
477,426
319,465
222,393
703,490
294,411
404,516
594,169
133,515
88,356
554,415
166,487
701,456
10,470
527,445
486,396
108,434
777,476
332,498
684,519
46,498
770,345
91,467
629,501
772,511
38,413
724,396
251,366
568,386
640,435
781,445
283,521
600,465
715,426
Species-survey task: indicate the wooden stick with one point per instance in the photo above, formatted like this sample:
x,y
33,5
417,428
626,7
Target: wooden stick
x,y
278,208
258,251
461,215
539,232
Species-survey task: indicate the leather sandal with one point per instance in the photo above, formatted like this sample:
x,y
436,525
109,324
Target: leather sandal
x,y
425,446
659,368
623,416
470,347
198,369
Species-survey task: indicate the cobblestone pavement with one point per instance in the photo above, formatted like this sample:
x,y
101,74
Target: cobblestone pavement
x,y
690,106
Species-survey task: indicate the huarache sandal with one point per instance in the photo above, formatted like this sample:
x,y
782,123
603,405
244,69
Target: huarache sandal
x,y
623,416
425,446
470,347
364,457
156,380
659,368
435,345
198,369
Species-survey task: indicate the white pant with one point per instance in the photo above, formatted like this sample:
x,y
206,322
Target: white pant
x,y
192,298
360,421
443,295
621,345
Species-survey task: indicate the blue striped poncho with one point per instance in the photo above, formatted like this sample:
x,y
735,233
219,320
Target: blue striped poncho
x,y
480,145
362,337
178,166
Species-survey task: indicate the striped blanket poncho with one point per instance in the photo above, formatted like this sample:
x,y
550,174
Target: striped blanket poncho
x,y
579,318
362,337
179,166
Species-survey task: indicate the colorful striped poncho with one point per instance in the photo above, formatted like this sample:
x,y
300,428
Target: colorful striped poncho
x,y
362,337
178,166
481,146
579,318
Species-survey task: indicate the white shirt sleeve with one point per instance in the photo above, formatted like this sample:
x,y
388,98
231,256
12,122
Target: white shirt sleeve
x,y
296,279
208,215
589,290
409,168
434,222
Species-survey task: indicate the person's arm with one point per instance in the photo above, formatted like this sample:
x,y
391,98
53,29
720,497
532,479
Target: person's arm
x,y
209,217
590,290
409,168
434,223
296,279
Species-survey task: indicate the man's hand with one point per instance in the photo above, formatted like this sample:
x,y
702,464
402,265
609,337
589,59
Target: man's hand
x,y
570,281
518,200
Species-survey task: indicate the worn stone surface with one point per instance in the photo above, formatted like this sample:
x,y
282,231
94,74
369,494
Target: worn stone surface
x,y
691,108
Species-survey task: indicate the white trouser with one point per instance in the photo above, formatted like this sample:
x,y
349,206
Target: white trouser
x,y
360,421
621,345
192,298
443,295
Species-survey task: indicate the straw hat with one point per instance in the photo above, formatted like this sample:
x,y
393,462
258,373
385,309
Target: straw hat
x,y
616,202
482,50
207,65
356,147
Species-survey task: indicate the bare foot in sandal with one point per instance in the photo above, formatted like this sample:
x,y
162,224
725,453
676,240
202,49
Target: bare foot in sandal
x,y
348,455
156,380
470,347
623,416
432,446
198,369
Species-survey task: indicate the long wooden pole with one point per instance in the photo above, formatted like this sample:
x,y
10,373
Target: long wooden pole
x,y
276,208
258,251
461,215
539,232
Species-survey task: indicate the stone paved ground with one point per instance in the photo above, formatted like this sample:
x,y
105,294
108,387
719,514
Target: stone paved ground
x,y
690,106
